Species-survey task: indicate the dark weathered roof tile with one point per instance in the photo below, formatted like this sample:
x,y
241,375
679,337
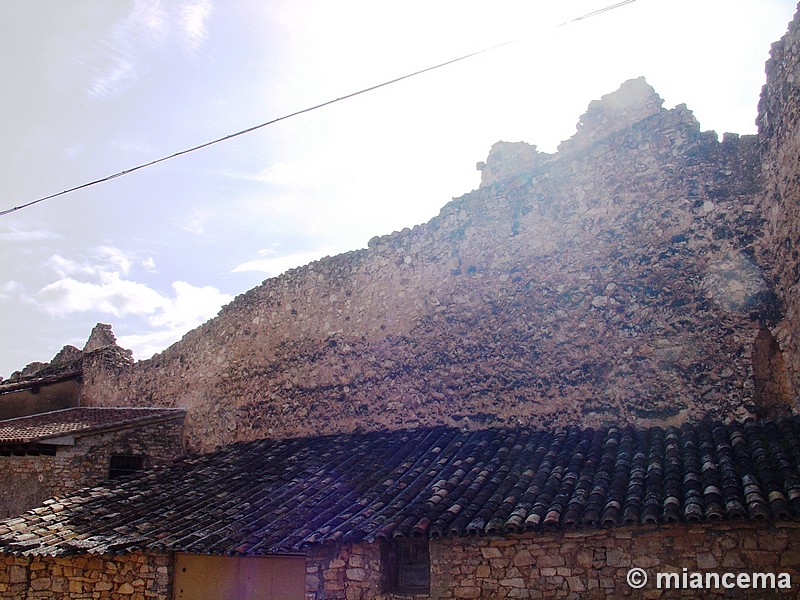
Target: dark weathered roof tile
x,y
78,421
279,496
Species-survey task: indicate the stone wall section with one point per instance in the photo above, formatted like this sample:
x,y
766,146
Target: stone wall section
x,y
578,564
594,564
779,247
349,572
26,481
613,282
125,577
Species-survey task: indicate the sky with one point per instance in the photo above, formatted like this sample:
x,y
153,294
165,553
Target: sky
x,y
91,88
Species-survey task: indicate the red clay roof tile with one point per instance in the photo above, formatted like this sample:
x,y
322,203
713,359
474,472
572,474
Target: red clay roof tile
x,y
78,421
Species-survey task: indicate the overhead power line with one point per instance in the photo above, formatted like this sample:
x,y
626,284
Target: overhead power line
x,y
299,112
599,11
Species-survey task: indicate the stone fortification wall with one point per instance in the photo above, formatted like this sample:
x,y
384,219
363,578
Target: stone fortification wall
x,y
779,248
612,281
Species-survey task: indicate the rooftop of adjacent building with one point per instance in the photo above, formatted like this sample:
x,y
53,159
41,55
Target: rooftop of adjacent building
x,y
268,497
79,421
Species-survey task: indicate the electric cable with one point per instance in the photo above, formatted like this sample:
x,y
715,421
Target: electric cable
x,y
297,113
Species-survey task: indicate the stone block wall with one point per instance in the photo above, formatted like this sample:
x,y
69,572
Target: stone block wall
x,y
614,281
586,564
579,564
595,564
350,572
126,577
26,481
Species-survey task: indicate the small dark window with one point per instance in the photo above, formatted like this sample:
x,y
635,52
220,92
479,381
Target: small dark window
x,y
124,464
406,565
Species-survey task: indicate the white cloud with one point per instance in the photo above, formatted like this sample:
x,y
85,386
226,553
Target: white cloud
x,y
117,76
193,17
101,284
195,221
315,171
191,306
104,261
14,234
149,265
63,266
274,265
115,257
196,225
111,295
11,289
146,344
285,173
140,36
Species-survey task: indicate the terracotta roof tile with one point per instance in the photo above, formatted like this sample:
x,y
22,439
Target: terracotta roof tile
x,y
78,421
280,496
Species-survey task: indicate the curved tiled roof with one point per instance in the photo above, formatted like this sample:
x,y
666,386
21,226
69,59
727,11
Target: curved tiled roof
x,y
280,496
78,421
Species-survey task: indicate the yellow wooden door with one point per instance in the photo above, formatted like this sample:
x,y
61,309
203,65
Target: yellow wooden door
x,y
201,577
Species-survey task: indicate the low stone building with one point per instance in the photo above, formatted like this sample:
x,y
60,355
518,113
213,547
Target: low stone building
x,y
57,452
51,445
433,512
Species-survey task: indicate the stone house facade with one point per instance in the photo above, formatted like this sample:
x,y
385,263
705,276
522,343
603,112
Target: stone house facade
x,y
50,445
568,565
50,454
